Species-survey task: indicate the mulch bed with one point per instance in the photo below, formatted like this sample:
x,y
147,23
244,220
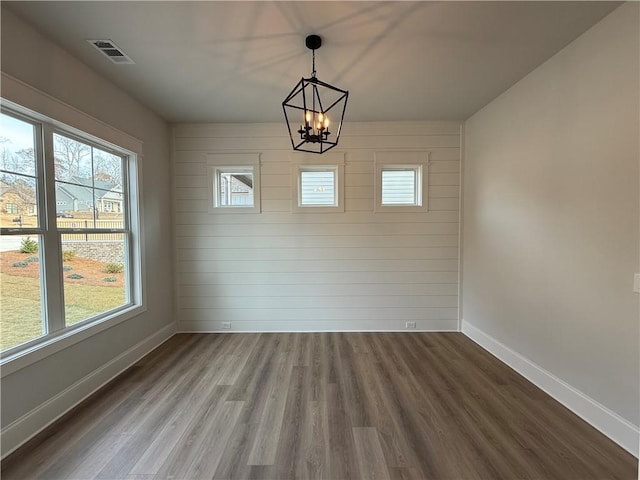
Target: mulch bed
x,y
92,271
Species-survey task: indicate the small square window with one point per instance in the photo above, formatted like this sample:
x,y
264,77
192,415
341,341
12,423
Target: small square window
x,y
319,186
401,186
401,181
234,187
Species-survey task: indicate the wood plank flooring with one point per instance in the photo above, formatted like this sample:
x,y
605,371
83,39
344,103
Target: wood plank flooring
x,y
320,406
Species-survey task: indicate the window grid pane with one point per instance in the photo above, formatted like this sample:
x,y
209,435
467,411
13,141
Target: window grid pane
x,y
72,160
108,171
21,286
317,187
399,187
18,188
18,197
17,146
95,274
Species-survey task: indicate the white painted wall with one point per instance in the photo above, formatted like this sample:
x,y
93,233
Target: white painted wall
x,y
551,211
35,395
356,270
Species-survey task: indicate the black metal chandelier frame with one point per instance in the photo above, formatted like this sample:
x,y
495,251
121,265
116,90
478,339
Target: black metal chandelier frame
x,y
305,99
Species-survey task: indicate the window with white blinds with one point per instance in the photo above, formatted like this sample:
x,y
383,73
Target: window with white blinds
x,y
318,184
401,181
400,186
318,187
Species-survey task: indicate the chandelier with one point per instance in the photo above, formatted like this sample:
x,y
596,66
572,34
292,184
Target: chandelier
x,y
313,109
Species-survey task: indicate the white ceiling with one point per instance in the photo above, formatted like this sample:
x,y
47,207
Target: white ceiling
x,y
236,61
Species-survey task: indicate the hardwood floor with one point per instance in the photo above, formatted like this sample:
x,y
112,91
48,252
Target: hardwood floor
x,y
326,405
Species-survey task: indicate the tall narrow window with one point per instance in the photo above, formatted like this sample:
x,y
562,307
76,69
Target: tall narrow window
x,y
94,234
22,316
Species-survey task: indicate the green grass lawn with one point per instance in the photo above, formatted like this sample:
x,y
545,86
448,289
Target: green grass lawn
x,y
20,312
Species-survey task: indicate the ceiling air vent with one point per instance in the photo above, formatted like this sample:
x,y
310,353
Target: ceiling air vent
x,y
111,51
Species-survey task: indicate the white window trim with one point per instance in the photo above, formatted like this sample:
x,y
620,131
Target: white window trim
x,y
225,161
402,159
328,161
25,100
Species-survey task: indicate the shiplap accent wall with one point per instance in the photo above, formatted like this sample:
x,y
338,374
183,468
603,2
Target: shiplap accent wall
x,y
284,271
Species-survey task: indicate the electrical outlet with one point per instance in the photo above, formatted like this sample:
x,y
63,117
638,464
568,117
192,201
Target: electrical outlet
x,y
410,325
636,283
226,325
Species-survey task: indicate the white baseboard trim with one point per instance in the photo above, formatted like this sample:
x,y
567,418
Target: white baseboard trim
x,y
621,431
26,427
285,326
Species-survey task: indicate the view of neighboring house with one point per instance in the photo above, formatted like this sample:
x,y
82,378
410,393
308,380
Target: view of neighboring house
x,y
17,199
79,195
236,189
85,194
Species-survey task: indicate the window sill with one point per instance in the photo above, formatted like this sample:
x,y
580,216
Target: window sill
x,y
234,210
401,208
317,209
49,345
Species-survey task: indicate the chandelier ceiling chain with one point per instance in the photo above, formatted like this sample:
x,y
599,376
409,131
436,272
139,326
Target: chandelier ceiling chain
x,y
307,101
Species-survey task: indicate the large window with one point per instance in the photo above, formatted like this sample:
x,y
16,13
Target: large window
x,y
69,246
